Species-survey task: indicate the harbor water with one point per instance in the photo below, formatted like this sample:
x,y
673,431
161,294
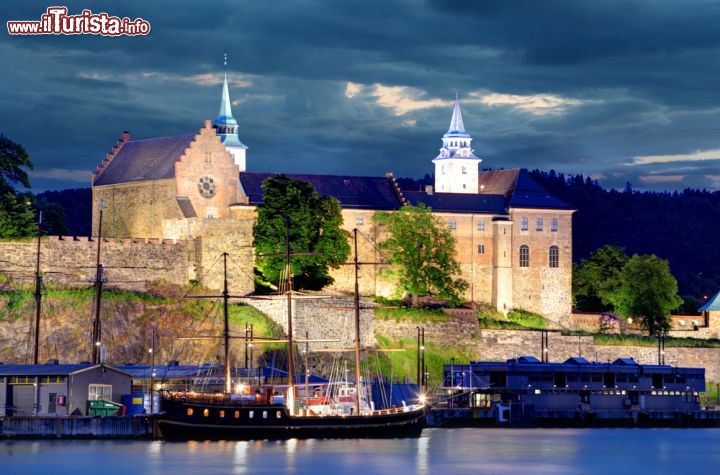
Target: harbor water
x,y
485,451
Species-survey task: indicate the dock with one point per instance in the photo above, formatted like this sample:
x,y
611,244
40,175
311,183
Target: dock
x,y
76,427
519,415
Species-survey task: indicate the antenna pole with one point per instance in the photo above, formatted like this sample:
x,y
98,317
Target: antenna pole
x,y
226,331
358,387
97,329
38,293
288,263
307,368
152,372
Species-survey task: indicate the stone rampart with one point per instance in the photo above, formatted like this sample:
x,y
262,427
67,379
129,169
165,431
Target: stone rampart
x,y
129,263
331,318
500,345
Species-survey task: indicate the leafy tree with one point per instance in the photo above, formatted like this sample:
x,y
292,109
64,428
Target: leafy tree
x,y
596,278
315,227
421,250
53,222
17,218
648,293
13,158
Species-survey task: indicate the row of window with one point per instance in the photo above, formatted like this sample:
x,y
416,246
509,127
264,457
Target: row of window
x,y
221,413
539,224
553,256
452,223
40,379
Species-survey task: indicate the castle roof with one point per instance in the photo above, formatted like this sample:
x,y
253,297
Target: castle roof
x,y
150,159
457,127
361,192
712,304
501,190
458,202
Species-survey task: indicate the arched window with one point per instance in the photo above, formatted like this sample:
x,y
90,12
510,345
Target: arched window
x,y
524,256
554,256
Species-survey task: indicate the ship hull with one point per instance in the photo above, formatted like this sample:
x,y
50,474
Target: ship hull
x,y
185,420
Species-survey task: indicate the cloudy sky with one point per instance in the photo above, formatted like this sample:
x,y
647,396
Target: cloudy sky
x,y
619,90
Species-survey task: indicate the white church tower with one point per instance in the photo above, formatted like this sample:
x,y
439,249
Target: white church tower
x,y
456,167
227,127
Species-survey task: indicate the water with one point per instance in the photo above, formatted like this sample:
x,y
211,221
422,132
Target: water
x,y
443,451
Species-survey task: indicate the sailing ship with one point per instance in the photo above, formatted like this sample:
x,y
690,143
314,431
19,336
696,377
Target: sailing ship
x,y
273,412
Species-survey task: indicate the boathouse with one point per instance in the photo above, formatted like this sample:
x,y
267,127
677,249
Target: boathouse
x,y
58,389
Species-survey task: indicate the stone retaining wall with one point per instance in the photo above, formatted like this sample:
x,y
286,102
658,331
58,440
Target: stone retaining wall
x,y
328,318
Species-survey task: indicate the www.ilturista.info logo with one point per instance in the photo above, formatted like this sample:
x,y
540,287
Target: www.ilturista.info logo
x,y
56,21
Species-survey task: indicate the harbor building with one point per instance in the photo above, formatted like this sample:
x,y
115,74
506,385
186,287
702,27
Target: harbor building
x,y
514,239
575,385
54,389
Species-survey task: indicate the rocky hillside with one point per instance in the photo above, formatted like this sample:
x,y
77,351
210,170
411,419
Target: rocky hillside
x,y
127,319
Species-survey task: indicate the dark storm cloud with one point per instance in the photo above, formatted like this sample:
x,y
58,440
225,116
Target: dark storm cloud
x,y
570,85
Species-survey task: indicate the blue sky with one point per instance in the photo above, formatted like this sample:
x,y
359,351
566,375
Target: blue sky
x,y
618,90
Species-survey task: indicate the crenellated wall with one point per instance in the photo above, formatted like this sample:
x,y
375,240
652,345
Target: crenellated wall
x,y
129,263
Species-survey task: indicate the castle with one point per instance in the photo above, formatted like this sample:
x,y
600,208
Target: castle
x,y
514,239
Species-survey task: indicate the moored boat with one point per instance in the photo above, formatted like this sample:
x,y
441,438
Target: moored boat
x,y
267,412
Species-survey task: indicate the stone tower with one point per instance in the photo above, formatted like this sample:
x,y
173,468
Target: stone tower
x,y
456,167
227,127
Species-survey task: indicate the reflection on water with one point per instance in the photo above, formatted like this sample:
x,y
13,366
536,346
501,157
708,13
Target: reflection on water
x,y
485,451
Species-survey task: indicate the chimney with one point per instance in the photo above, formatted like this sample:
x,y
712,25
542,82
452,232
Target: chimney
x,y
125,136
208,124
429,189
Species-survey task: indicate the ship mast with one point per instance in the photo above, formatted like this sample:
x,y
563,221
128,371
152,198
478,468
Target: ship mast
x,y
288,262
38,293
97,329
226,329
356,265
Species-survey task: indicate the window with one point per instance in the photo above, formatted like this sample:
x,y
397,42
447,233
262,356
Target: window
x,y
554,257
190,411
237,414
359,220
481,225
481,248
278,415
442,169
538,224
452,224
524,223
222,413
464,170
524,256
264,414
251,414
100,392
553,225
206,412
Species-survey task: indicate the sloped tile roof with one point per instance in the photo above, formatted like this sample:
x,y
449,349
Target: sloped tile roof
x,y
139,160
529,194
458,202
712,304
360,192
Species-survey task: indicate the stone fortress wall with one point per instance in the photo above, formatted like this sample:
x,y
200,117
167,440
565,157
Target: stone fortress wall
x,y
129,263
500,345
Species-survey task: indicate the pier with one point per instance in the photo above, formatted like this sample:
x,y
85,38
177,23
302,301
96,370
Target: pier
x,y
76,427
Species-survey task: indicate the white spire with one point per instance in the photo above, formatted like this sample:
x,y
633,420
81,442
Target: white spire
x,y
456,123
456,166
227,127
